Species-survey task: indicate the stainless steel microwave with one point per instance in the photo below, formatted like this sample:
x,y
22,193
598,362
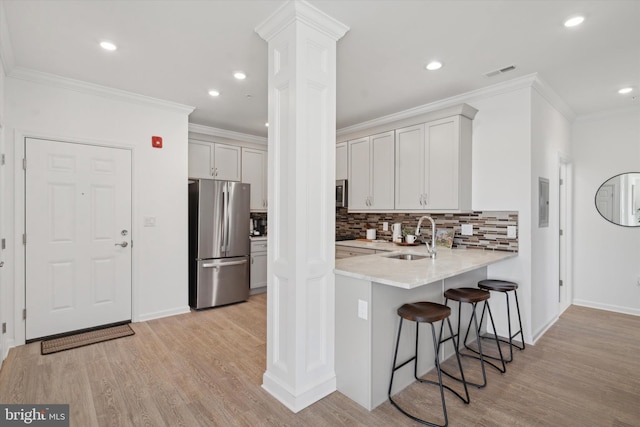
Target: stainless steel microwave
x,y
341,193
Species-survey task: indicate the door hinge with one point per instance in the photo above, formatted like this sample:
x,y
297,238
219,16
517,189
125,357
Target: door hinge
x,y
24,163
4,327
561,232
3,244
24,239
561,284
2,159
561,181
24,314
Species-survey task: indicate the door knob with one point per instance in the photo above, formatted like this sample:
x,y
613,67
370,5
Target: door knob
x,y
123,244
1,263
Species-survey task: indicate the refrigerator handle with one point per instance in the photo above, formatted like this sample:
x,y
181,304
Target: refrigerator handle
x,y
225,195
224,264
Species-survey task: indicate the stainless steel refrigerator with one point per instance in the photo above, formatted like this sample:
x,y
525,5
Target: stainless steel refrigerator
x,y
219,246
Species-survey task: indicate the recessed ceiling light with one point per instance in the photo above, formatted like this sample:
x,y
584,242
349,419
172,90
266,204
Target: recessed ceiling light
x,y
108,45
574,21
434,65
239,75
267,124
214,93
625,90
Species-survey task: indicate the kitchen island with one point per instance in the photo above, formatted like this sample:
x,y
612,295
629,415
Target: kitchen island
x,y
370,288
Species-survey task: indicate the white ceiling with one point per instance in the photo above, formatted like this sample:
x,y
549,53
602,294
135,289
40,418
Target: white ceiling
x,y
178,50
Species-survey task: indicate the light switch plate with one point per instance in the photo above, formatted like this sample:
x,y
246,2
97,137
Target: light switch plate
x,y
385,226
511,232
467,230
363,309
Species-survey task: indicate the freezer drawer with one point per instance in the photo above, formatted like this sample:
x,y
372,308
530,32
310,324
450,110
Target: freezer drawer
x,y
220,281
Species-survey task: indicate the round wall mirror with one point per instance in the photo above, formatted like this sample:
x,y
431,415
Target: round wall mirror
x,y
618,199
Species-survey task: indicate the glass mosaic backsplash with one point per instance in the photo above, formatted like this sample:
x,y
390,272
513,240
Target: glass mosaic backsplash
x,y
489,227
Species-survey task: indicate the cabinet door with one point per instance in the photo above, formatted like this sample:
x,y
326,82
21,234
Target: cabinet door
x,y
226,165
341,161
410,168
254,172
359,174
382,148
442,160
200,159
258,275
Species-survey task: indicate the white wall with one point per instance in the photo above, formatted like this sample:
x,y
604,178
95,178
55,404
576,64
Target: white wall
x,y
4,283
606,256
78,112
550,140
502,181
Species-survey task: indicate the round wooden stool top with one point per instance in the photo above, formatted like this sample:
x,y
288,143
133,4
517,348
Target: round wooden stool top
x,y
467,294
497,285
424,312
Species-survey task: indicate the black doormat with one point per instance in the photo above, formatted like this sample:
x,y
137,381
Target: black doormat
x,y
85,338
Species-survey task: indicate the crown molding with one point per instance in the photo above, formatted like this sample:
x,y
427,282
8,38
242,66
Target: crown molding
x,y
95,89
221,133
493,90
302,11
6,51
543,88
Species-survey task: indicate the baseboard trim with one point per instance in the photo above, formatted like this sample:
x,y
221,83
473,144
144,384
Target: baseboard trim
x,y
163,313
296,403
607,307
543,331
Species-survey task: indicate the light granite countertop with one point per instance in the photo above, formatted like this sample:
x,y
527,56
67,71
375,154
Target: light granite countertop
x,y
412,274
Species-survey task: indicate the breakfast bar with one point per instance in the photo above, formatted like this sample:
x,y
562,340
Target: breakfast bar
x,y
368,291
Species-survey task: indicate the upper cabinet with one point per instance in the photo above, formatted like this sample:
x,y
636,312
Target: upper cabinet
x,y
341,161
371,172
254,172
433,166
213,160
424,164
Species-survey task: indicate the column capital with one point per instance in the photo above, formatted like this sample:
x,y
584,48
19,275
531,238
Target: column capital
x,y
303,12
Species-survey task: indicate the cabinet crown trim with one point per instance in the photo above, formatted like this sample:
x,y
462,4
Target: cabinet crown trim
x,y
464,110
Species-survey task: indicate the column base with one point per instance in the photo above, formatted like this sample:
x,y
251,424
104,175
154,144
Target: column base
x,y
296,403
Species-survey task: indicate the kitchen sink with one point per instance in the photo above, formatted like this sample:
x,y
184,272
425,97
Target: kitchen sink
x,y
406,257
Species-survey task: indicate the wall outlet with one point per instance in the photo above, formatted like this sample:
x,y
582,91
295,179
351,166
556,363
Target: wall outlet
x,y
385,226
467,230
363,309
511,232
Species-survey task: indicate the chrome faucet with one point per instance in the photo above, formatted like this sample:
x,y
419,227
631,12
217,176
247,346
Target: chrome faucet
x,y
430,250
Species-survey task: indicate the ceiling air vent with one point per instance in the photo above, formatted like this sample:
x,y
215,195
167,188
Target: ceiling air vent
x,y
500,71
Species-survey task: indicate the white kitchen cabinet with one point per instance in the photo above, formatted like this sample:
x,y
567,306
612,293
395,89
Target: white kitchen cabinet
x,y
213,160
254,172
341,161
258,269
433,166
371,172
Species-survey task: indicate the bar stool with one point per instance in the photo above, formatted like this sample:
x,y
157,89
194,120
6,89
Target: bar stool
x,y
505,287
426,312
473,296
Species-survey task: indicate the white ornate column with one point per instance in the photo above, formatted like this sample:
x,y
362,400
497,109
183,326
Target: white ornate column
x,y
302,127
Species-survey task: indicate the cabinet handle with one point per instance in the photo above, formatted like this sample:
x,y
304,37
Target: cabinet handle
x,y
216,172
212,172
251,260
420,200
426,199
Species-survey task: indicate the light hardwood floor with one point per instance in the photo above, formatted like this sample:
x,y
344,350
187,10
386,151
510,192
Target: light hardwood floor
x,y
205,369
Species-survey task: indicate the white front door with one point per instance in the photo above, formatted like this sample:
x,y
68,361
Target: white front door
x,y
78,235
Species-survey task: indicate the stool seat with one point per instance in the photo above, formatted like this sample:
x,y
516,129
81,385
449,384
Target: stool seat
x,y
497,285
470,295
428,312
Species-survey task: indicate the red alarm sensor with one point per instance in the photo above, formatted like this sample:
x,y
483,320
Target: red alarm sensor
x,y
156,141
